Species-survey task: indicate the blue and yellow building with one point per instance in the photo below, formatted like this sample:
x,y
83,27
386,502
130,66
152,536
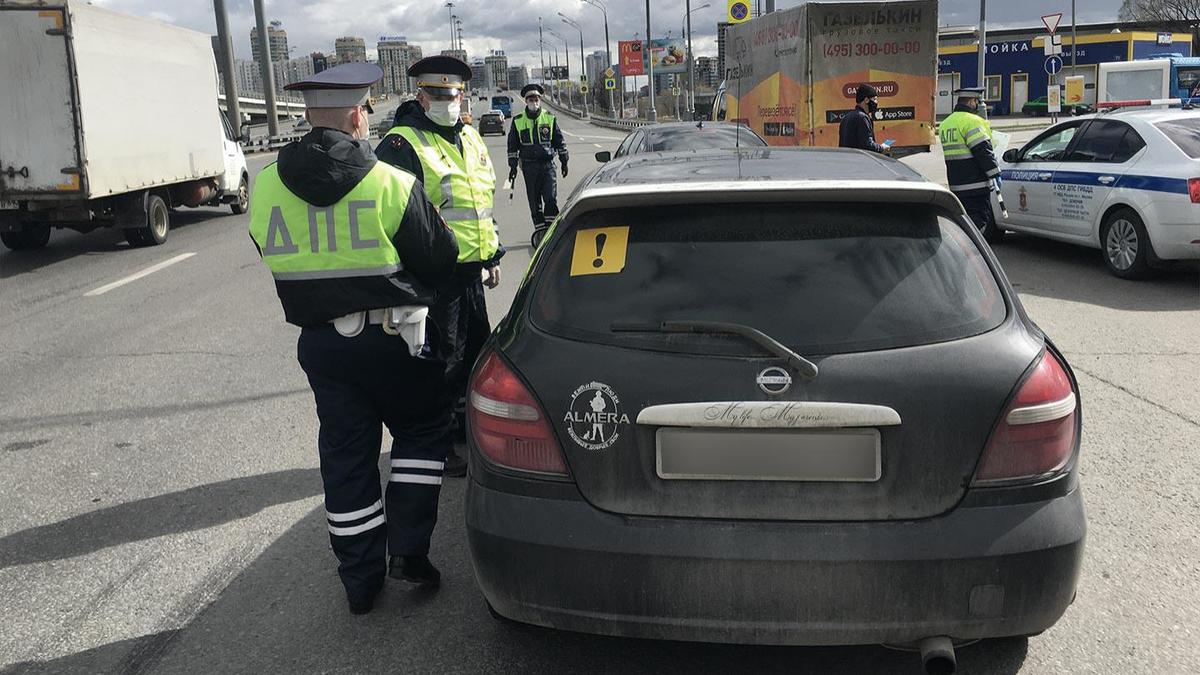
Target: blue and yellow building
x,y
1015,60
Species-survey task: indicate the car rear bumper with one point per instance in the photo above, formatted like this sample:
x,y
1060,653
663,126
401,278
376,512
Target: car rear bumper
x,y
1174,231
973,573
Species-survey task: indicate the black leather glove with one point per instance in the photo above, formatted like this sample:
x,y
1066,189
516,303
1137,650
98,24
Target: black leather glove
x,y
564,170
512,174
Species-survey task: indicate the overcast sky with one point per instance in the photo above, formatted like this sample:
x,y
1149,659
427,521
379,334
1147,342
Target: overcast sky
x,y
512,25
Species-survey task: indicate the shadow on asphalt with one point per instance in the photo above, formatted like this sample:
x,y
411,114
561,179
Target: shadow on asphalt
x,y
1052,269
184,511
286,612
67,244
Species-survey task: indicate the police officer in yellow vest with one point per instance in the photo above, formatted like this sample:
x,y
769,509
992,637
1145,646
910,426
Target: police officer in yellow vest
x,y
356,250
431,142
971,168
534,138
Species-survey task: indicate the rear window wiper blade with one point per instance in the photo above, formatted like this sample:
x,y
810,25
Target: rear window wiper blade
x,y
800,364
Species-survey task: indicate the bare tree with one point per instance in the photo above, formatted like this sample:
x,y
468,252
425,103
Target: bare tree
x,y
1164,12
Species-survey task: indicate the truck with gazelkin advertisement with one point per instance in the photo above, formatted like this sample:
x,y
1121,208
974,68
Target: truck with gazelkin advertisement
x,y
791,75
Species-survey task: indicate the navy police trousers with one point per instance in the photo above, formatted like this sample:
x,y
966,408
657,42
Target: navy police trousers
x,y
360,385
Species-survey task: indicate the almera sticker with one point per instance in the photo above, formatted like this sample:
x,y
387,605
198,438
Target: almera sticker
x,y
594,419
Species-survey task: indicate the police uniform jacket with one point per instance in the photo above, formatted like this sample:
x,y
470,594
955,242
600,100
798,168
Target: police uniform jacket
x,y
328,174
967,146
535,140
399,152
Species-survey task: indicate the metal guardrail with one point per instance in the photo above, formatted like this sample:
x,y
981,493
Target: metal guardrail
x,y
605,122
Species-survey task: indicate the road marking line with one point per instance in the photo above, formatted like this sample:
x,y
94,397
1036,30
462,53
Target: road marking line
x,y
137,275
598,145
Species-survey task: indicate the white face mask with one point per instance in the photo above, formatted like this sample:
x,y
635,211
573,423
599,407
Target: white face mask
x,y
444,113
533,106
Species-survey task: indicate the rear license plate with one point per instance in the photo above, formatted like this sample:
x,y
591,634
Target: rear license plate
x,y
834,455
9,206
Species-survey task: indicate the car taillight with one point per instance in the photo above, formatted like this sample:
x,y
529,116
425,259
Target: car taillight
x,y
508,425
1036,434
1194,190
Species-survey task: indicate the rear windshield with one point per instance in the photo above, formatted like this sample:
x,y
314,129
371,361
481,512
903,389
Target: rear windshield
x,y
1184,133
820,278
707,138
501,100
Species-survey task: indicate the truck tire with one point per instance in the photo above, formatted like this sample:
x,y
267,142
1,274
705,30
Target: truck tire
x,y
31,238
243,198
158,224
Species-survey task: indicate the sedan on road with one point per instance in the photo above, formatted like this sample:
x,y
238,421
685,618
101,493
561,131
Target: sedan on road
x,y
776,396
674,136
1125,182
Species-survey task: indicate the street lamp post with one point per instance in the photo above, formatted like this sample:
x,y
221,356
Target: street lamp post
x,y
231,89
582,65
566,61
691,68
542,51
612,112
651,113
268,69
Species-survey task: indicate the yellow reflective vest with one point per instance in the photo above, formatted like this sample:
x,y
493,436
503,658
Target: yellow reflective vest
x,y
462,186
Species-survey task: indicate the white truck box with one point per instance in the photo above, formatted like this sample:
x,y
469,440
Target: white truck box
x,y
1134,80
98,104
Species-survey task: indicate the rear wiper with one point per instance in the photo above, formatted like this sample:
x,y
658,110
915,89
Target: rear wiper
x,y
801,365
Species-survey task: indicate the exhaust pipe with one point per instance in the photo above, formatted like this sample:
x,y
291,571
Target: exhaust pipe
x,y
937,655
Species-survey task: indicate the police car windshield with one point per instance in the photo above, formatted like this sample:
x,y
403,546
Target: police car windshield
x,y
817,278
1184,133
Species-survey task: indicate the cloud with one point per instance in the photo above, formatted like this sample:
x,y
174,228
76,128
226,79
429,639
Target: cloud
x,y
512,25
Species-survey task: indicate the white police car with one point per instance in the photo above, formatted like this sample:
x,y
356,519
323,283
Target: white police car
x,y
1126,182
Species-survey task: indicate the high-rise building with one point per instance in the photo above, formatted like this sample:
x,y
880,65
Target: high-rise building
x,y
460,54
596,63
395,56
518,77
249,77
278,39
351,50
497,67
706,72
722,26
479,75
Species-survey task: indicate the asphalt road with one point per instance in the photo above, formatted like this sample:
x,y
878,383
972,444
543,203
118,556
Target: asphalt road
x,y
160,506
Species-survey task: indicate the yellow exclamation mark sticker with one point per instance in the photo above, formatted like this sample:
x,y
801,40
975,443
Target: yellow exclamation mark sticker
x,y
600,251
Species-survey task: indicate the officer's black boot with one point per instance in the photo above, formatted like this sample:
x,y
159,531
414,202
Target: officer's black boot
x,y
415,569
456,467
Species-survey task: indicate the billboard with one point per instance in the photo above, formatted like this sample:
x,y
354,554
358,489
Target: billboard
x,y
631,61
556,72
669,55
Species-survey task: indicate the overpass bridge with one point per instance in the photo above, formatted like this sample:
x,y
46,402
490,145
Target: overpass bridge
x,y
256,108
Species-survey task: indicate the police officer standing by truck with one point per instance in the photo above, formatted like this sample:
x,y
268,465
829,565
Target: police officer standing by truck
x,y
356,250
534,138
431,142
971,168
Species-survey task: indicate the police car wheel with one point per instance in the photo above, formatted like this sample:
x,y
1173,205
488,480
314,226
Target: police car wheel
x,y
243,198
1125,245
31,238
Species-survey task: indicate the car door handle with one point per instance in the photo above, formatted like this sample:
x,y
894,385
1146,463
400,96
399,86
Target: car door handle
x,y
1045,176
1107,180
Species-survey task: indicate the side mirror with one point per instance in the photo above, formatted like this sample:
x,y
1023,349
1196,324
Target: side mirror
x,y
1011,156
245,137
603,156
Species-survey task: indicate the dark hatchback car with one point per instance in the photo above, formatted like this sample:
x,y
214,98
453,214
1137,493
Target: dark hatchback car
x,y
773,396
678,136
491,122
